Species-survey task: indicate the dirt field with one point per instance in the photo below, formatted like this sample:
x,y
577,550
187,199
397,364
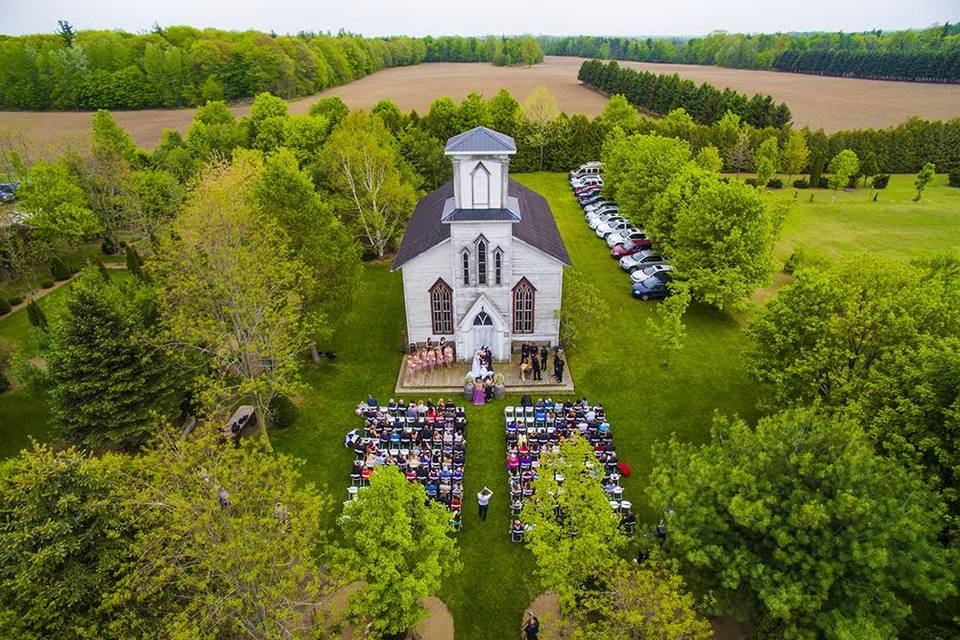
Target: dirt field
x,y
831,103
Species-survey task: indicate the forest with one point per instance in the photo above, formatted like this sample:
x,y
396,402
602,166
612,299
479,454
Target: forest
x,y
928,55
183,66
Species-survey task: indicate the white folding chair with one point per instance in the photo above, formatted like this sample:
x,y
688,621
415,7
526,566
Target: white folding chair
x,y
625,505
615,505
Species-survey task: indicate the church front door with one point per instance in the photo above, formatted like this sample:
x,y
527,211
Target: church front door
x,y
483,333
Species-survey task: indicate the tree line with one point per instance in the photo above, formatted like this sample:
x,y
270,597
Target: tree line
x,y
660,94
182,66
927,55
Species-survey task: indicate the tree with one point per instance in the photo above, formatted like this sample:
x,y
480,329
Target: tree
x,y
36,316
802,522
369,181
647,602
708,159
333,108
65,31
619,113
766,160
667,328
842,167
505,113
582,543
63,535
55,202
398,542
320,240
390,114
719,235
638,168
582,307
109,383
739,153
924,177
228,542
425,154
869,166
540,109
795,154
233,293
821,336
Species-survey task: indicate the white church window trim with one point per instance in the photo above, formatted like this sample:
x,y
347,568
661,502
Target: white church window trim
x,y
441,308
498,266
524,306
480,186
465,266
481,245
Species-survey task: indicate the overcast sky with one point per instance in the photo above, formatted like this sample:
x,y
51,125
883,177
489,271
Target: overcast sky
x,y
475,17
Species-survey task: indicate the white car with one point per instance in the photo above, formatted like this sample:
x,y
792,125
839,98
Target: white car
x,y
592,168
597,206
612,226
641,274
610,208
587,181
622,236
599,220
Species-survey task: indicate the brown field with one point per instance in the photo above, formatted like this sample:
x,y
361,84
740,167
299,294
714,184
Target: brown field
x,y
816,101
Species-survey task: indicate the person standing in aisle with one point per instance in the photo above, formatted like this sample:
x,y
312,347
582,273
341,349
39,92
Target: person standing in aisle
x,y
483,501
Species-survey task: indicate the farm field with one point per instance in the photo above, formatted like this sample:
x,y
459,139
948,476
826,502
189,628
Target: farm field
x,y
815,101
644,403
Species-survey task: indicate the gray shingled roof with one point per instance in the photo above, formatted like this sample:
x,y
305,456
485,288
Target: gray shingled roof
x,y
536,226
480,140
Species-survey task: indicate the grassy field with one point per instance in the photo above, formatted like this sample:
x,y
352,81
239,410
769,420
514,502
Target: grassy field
x,y
614,364
815,101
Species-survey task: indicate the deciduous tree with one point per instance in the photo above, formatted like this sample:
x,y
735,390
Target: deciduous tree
x,y
573,533
540,109
619,113
795,154
842,167
398,542
583,307
923,178
801,521
766,160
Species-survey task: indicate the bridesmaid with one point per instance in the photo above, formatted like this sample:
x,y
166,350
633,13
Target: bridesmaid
x,y
411,366
478,392
431,359
438,357
448,356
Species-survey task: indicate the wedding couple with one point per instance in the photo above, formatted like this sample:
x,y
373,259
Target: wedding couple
x,y
482,363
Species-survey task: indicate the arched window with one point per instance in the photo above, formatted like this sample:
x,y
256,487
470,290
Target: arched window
x,y
498,266
441,307
524,302
465,266
483,319
481,186
481,260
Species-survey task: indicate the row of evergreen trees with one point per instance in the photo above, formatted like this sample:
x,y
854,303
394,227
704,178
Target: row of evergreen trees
x,y
928,55
922,66
183,66
660,94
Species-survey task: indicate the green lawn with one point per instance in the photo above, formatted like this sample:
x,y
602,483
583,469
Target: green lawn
x,y
614,364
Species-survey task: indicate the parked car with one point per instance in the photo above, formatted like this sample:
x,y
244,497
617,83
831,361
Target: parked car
x,y
602,211
629,247
612,226
651,288
596,221
587,168
589,181
8,191
625,236
599,205
587,188
588,193
651,271
592,199
641,259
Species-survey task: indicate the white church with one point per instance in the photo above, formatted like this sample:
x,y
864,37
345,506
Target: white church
x,y
482,259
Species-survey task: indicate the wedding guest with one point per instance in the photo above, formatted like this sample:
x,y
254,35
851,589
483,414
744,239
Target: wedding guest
x,y
478,393
448,356
535,365
543,357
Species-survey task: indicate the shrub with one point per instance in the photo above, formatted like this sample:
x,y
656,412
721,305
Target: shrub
x,y
880,181
282,411
4,307
58,268
751,181
108,246
802,183
823,182
775,183
953,178
15,300
46,284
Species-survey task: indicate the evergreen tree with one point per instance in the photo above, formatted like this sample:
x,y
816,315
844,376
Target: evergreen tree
x,y
36,316
110,383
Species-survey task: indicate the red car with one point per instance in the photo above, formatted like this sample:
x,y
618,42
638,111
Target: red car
x,y
630,247
583,190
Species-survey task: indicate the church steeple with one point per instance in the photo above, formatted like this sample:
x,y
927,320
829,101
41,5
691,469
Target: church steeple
x,y
481,162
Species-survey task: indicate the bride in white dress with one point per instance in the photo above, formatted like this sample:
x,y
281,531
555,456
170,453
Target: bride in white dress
x,y
477,370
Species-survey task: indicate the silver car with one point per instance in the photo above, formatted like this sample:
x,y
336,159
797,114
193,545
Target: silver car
x,y
596,221
622,236
649,271
612,226
640,259
597,206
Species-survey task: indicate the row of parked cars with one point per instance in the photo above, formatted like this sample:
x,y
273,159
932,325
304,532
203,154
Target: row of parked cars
x,y
649,272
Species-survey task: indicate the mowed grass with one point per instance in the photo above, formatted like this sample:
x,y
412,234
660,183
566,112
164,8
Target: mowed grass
x,y
616,364
894,225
